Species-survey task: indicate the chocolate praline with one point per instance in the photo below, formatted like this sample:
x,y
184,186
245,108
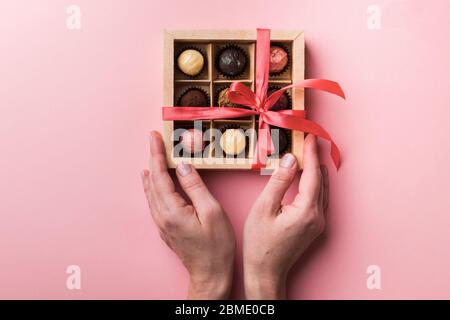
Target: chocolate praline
x,y
233,141
278,59
282,103
191,62
232,61
192,141
223,100
282,140
194,98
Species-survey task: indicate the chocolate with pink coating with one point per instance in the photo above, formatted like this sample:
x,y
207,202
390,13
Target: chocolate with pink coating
x,y
192,141
278,59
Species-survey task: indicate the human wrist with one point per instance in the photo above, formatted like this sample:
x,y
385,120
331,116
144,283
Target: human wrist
x,y
210,287
264,284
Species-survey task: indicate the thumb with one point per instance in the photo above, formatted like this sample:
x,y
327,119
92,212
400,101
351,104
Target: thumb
x,y
195,188
279,182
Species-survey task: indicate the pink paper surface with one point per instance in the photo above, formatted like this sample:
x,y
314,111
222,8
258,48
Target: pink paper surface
x,y
76,108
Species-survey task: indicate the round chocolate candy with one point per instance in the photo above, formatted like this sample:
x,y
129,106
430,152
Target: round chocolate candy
x,y
233,141
191,62
232,61
223,100
192,141
282,141
282,103
194,98
278,59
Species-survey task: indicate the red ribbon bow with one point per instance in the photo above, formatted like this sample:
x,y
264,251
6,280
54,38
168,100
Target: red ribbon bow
x,y
260,104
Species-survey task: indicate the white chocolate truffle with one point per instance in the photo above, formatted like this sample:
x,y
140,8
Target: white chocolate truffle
x,y
191,62
233,141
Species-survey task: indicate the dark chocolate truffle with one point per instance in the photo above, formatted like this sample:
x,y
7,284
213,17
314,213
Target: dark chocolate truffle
x,y
232,61
194,98
282,104
278,59
282,140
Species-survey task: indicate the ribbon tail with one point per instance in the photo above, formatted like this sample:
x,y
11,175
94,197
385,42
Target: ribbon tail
x,y
308,126
314,128
264,146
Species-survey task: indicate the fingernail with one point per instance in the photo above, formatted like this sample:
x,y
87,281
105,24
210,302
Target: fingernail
x,y
184,169
287,161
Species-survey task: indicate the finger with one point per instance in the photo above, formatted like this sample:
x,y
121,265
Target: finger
x,y
145,177
322,189
153,198
191,182
311,179
164,188
148,189
325,186
279,183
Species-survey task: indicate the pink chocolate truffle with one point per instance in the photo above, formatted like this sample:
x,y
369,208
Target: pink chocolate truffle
x,y
192,141
278,59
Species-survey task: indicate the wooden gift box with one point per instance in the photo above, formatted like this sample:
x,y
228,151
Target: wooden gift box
x,y
210,80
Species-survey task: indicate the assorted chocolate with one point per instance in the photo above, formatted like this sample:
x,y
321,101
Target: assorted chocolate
x,y
192,141
191,62
233,142
281,140
230,62
194,97
223,100
279,59
283,103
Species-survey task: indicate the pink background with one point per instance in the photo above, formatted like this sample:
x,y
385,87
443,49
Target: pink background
x,y
76,108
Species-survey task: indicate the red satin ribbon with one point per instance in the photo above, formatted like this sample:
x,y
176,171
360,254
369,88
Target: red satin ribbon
x,y
260,104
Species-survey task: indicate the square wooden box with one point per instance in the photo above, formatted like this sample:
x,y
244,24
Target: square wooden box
x,y
209,41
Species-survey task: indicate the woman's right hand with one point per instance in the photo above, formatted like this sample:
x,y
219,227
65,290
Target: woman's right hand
x,y
276,235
